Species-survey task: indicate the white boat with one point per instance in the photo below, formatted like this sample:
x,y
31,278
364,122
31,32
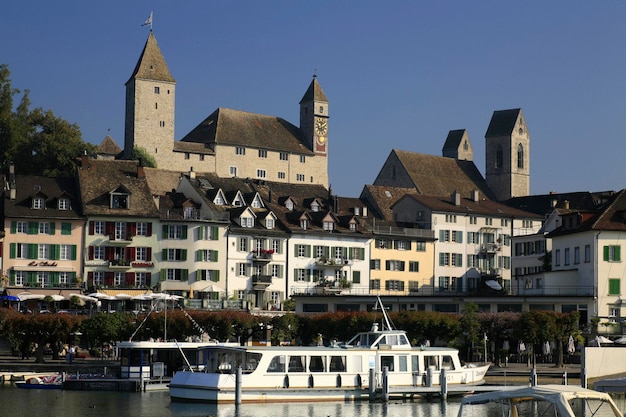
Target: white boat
x,y
318,373
542,400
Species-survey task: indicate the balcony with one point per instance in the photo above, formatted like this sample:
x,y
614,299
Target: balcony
x,y
119,264
261,282
263,255
489,248
332,262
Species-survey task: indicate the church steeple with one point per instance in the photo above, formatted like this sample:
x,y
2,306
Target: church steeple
x,y
150,105
314,117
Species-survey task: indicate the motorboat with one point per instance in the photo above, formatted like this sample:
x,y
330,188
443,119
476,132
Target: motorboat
x,y
42,382
541,400
337,372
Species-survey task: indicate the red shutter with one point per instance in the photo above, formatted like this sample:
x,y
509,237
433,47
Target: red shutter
x,y
109,253
91,249
108,278
129,278
109,228
149,254
131,254
89,278
92,227
149,231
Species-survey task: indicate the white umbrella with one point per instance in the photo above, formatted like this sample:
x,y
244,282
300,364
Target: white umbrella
x,y
493,284
163,296
24,296
101,296
142,297
123,296
84,297
571,348
57,297
521,347
546,348
621,340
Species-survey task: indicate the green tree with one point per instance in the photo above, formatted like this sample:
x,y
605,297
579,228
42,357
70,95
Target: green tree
x,y
140,154
471,328
37,142
104,327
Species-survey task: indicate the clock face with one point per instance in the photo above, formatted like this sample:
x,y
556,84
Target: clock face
x,y
320,127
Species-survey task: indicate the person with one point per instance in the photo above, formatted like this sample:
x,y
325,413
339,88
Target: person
x,y
72,353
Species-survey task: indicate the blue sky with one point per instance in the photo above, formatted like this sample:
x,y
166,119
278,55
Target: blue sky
x,y
398,75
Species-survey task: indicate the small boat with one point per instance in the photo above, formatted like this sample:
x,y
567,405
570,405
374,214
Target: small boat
x,y
542,400
339,372
42,382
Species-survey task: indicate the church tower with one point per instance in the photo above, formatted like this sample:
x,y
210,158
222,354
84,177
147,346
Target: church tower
x,y
150,106
314,118
507,146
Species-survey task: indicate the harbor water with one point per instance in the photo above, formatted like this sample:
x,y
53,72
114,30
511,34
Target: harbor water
x,y
19,402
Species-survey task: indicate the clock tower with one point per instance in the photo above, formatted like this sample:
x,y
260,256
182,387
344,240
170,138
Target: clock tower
x,y
314,118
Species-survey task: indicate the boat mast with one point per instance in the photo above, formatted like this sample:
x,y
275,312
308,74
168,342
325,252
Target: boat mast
x,y
385,317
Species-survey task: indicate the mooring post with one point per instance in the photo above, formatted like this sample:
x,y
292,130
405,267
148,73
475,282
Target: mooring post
x,y
533,377
238,376
444,384
385,383
565,378
372,384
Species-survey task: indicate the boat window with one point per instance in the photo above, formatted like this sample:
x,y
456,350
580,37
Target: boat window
x,y
277,364
386,361
403,340
252,361
447,362
402,363
296,364
224,361
337,364
415,363
317,364
431,362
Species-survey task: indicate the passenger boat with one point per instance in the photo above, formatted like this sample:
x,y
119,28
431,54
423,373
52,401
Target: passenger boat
x,y
230,374
542,400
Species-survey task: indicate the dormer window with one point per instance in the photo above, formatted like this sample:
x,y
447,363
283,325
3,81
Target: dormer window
x,y
64,204
315,207
353,227
190,213
269,223
256,202
119,201
247,222
39,203
303,224
289,205
329,226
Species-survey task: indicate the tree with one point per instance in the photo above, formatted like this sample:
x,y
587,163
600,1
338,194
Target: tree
x,y
471,327
37,142
140,154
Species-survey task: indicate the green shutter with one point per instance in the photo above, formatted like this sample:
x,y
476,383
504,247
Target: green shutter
x,y
55,251
183,255
606,253
184,231
215,233
166,231
200,232
163,275
614,286
617,253
198,253
295,274
459,237
216,274
13,227
52,227
356,277
164,255
66,228
74,250
185,275
54,279
33,228
213,254
12,250
33,251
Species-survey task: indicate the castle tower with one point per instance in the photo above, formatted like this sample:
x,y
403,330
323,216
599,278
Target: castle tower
x,y
314,118
507,147
150,105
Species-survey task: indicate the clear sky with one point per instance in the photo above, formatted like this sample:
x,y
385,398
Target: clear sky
x,y
398,74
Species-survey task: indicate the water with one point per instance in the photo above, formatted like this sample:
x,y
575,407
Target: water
x,y
19,402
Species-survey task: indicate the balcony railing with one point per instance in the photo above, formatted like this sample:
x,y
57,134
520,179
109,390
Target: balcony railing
x,y
403,231
123,239
261,282
332,262
120,263
264,255
489,247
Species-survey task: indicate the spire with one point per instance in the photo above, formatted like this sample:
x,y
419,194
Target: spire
x,y
151,64
314,92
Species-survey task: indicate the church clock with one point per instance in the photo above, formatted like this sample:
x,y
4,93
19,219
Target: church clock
x,y
321,127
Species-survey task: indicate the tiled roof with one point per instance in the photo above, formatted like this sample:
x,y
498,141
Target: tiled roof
x,y
160,181
454,139
239,128
437,175
468,206
151,64
502,123
608,217
314,92
382,197
545,203
52,189
108,147
98,178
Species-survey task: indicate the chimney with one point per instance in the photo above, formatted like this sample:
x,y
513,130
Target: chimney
x,y
475,196
84,160
12,185
566,204
140,172
192,173
456,198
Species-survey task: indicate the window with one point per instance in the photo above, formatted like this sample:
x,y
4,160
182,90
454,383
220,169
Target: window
x,y
98,253
21,227
141,279
176,274
176,231
499,157
232,171
394,285
587,254
247,222
240,150
38,203
402,244
44,228
243,244
98,227
64,204
520,156
261,173
242,269
65,252
393,265
300,177
276,246
269,223
566,256
44,251
374,284
557,257
450,218
420,246
281,176
302,160
329,226
20,278
157,90
414,266
43,278
98,278
614,286
576,255
174,254
504,222
284,156
301,251
612,253
119,201
473,220
489,221
375,264
141,254
262,153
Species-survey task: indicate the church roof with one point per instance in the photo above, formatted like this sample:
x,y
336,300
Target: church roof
x,y
108,147
502,123
238,128
454,139
314,92
151,64
440,176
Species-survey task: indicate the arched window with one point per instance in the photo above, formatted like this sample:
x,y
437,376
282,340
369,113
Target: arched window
x,y
499,157
520,156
